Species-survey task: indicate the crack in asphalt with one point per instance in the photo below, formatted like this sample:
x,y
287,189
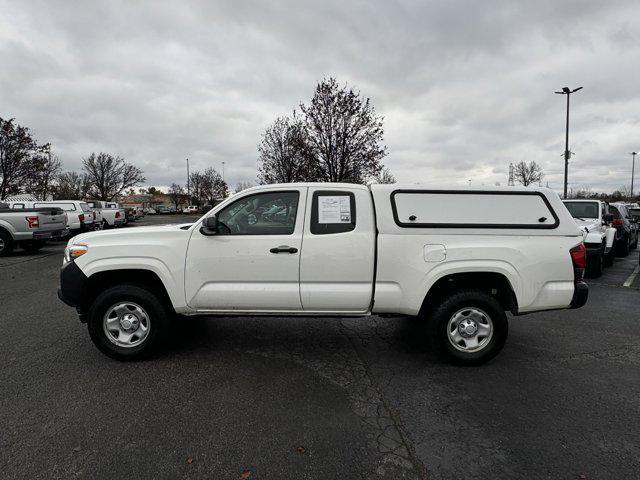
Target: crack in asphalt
x,y
393,438
30,259
383,428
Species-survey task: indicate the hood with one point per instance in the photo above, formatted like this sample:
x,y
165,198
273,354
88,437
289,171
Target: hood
x,y
121,235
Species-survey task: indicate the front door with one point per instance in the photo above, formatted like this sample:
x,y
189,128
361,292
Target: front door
x,y
253,263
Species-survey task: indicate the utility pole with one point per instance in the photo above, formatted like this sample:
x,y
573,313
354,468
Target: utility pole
x,y
223,171
567,154
188,185
633,168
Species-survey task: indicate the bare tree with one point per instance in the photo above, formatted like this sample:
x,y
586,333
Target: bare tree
x,y
197,180
384,176
44,167
176,193
71,186
17,148
583,192
527,173
110,176
625,192
240,186
342,134
281,152
214,188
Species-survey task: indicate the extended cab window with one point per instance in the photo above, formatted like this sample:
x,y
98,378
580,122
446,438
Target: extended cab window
x,y
272,213
333,211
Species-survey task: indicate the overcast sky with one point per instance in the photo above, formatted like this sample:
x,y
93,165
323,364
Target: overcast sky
x,y
465,87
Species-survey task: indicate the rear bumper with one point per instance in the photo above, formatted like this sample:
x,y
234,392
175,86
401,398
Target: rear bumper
x,y
73,284
50,234
592,249
580,295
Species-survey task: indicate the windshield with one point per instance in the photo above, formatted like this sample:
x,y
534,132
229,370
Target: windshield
x,y
582,209
85,207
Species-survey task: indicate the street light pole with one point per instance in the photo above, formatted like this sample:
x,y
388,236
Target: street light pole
x,y
633,168
567,154
188,192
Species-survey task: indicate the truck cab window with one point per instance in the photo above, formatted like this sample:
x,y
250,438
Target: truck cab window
x,y
272,213
333,211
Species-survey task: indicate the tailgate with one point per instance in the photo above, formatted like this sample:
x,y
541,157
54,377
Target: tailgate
x,y
54,220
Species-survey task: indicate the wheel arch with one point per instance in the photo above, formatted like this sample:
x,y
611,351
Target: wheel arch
x,y
493,283
145,278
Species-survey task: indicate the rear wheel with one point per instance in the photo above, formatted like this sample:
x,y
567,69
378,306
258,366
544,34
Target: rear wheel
x,y
596,264
468,327
624,246
6,244
128,322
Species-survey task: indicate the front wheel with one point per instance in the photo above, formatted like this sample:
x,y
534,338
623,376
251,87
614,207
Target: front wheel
x,y
468,327
128,322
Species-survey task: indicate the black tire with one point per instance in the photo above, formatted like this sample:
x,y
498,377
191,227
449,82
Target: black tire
x,y
609,258
634,245
32,246
595,265
6,243
438,322
157,311
624,245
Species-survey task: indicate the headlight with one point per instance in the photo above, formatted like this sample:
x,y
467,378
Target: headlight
x,y
74,251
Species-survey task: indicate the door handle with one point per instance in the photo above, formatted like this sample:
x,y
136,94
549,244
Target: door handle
x,y
284,249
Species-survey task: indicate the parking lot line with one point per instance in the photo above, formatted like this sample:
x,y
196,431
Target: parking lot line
x,y
632,277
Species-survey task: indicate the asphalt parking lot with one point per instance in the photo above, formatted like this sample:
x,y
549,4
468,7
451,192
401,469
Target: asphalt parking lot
x,y
255,398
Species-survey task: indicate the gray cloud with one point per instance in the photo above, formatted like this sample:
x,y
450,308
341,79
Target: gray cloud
x,y
465,87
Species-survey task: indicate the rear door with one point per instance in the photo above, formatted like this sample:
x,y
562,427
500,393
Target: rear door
x,y
338,255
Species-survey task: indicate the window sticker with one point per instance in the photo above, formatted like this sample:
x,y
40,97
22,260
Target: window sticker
x,y
334,209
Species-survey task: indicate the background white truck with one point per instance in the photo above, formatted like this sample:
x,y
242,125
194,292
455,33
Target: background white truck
x,y
458,258
111,215
29,228
594,219
80,217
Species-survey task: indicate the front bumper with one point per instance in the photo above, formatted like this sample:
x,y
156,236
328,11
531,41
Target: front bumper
x,y
73,284
580,295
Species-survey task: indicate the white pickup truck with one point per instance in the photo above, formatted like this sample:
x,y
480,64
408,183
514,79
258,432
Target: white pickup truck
x,y
594,220
29,228
111,215
459,259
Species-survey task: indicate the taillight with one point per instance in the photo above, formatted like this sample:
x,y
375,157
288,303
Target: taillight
x,y
579,259
33,222
81,217
617,222
117,214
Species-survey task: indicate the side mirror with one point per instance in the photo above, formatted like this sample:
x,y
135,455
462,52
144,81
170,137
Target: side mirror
x,y
608,218
209,225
